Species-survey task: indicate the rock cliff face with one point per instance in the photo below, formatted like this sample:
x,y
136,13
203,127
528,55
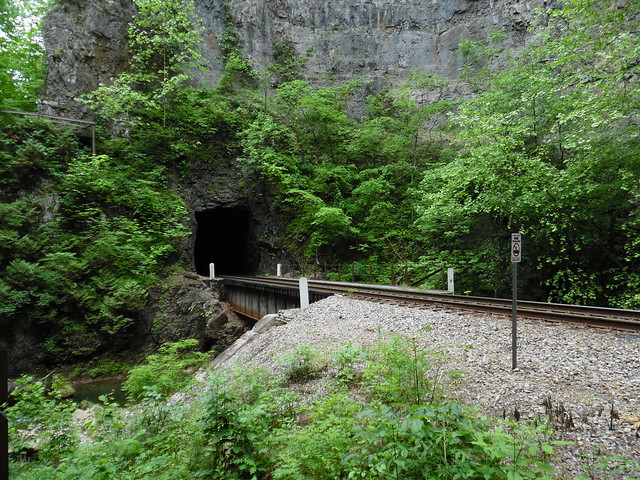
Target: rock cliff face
x,y
86,40
373,38
86,44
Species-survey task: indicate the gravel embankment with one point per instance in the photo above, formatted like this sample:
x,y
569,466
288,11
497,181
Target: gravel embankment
x,y
585,380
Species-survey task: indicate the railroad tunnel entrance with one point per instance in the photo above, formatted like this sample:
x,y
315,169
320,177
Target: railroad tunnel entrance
x,y
226,237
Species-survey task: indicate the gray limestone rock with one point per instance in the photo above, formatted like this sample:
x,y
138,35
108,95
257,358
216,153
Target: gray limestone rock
x,y
86,44
191,308
383,41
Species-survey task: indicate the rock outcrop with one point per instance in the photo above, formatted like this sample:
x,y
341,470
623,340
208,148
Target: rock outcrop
x,y
86,44
190,307
340,40
380,40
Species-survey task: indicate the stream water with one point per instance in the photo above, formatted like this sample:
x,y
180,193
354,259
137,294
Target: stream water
x,y
90,391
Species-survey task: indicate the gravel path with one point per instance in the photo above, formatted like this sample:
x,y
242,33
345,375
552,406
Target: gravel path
x,y
585,380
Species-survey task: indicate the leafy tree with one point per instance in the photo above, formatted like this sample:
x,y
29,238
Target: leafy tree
x,y
401,136
482,57
22,60
318,119
550,150
164,39
331,227
321,163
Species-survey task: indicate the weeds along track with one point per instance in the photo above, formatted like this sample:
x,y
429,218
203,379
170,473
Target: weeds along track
x,y
611,318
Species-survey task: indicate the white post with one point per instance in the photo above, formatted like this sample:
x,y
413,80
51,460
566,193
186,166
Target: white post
x,y
279,270
450,286
212,270
304,293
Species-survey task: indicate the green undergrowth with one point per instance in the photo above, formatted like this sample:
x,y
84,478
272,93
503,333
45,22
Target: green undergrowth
x,y
82,241
163,372
379,412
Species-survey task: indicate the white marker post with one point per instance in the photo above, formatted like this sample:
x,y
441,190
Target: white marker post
x,y
304,293
516,257
212,271
279,270
450,285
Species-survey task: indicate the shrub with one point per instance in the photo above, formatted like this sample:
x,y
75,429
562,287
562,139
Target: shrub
x,y
39,423
399,372
246,427
164,371
346,362
234,433
300,365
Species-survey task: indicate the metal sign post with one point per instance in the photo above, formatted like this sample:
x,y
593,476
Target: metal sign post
x,y
516,256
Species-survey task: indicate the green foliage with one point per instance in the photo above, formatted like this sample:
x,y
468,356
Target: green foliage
x,y
129,447
80,248
234,434
399,373
39,422
344,182
107,366
315,446
249,427
347,360
301,365
22,58
163,40
478,55
165,371
441,441
598,467
238,72
31,149
548,150
330,225
287,65
549,147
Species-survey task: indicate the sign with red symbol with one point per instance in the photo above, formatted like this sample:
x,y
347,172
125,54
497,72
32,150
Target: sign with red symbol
x,y
516,247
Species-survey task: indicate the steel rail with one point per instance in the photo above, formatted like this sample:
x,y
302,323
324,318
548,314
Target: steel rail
x,y
613,318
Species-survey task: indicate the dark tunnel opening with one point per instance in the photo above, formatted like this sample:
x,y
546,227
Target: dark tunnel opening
x,y
226,238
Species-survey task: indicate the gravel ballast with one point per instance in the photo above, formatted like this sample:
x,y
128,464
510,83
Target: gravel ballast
x,y
585,381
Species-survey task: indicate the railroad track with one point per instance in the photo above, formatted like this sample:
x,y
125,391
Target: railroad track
x,y
612,318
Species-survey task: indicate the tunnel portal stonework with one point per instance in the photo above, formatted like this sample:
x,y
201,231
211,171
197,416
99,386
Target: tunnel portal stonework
x,y
232,223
